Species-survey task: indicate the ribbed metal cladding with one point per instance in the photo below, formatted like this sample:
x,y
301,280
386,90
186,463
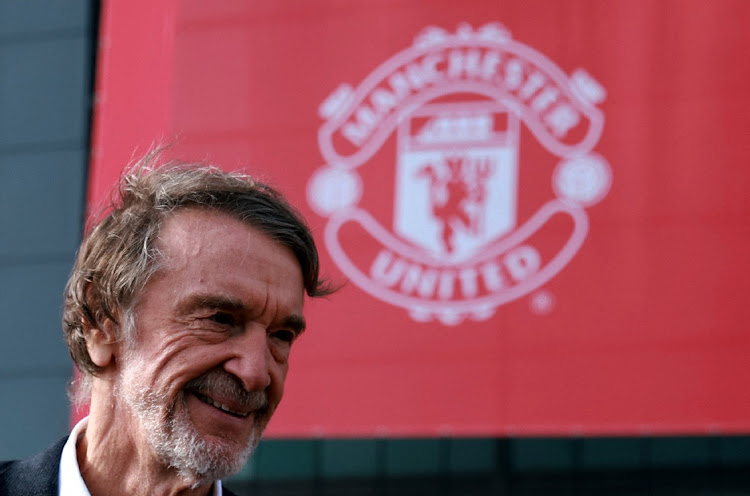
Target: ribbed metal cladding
x,y
46,79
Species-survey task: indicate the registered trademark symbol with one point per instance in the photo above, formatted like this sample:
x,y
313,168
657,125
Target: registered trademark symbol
x,y
583,180
542,302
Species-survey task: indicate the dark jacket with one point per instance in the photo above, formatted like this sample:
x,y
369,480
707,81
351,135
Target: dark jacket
x,y
35,476
38,475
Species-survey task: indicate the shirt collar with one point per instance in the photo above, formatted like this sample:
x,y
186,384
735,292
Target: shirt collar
x,y
70,480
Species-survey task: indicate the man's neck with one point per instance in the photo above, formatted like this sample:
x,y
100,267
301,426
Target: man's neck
x,y
114,459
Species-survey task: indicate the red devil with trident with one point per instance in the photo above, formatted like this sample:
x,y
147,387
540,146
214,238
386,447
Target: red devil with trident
x,y
457,194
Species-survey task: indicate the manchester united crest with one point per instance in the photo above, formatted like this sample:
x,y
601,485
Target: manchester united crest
x,y
451,108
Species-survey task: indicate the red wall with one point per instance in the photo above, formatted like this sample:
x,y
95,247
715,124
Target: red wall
x,y
539,206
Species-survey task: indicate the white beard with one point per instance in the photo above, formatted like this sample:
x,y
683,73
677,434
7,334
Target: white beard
x,y
172,436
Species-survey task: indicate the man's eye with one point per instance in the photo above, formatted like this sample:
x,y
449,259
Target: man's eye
x,y
284,335
222,318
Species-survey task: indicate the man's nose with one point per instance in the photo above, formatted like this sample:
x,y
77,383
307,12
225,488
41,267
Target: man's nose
x,y
251,359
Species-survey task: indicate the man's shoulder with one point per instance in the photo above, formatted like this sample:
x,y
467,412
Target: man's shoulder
x,y
37,475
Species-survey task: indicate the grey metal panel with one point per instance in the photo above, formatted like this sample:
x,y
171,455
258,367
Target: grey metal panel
x,y
41,203
349,458
735,450
412,456
38,16
44,74
360,458
611,453
541,454
473,455
30,329
287,459
679,452
33,415
43,91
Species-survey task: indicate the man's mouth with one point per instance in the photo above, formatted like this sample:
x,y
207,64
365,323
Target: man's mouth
x,y
220,406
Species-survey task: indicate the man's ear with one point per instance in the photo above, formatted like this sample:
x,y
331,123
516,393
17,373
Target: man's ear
x,y
102,343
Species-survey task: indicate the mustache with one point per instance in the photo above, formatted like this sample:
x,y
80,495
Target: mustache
x,y
217,382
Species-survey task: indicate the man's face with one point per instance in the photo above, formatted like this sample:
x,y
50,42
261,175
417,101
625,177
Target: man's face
x,y
213,331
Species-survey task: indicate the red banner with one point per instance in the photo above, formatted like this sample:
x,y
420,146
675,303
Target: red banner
x,y
539,207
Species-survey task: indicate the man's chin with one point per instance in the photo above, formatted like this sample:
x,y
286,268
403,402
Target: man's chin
x,y
198,456
201,459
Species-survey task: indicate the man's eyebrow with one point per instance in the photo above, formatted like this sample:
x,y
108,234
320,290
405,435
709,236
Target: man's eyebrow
x,y
292,322
211,300
295,323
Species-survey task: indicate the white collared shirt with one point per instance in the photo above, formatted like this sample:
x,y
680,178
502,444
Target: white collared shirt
x,y
71,482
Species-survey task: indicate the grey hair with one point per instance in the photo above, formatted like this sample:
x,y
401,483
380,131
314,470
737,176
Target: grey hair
x,y
119,255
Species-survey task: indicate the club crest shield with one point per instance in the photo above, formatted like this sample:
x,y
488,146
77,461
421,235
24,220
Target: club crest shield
x,y
456,178
452,245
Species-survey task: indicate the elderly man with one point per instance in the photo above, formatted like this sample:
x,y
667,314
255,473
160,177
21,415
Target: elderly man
x,y
180,314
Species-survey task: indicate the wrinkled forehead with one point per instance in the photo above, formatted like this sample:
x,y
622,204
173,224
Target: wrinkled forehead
x,y
189,232
207,245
